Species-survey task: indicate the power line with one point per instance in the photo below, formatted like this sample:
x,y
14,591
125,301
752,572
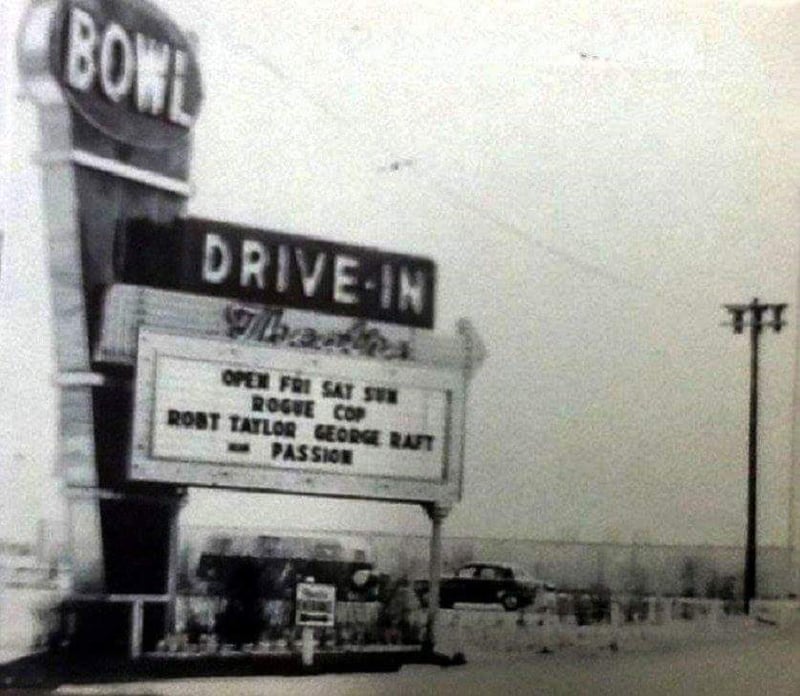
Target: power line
x,y
517,232
446,195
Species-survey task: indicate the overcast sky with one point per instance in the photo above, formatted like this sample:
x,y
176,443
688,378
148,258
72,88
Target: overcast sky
x,y
593,180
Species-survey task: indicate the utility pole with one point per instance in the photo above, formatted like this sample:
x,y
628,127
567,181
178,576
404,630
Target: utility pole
x,y
753,315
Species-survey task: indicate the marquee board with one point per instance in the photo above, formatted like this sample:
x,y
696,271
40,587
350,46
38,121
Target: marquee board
x,y
211,412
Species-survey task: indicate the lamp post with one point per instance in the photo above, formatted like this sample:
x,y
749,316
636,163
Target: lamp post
x,y
753,315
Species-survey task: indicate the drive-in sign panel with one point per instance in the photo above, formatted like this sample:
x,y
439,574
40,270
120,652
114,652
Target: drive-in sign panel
x,y
221,259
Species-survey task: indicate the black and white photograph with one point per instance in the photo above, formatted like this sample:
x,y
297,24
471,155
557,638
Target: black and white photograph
x,y
400,347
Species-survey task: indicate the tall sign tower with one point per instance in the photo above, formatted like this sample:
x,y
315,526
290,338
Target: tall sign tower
x,y
118,89
195,352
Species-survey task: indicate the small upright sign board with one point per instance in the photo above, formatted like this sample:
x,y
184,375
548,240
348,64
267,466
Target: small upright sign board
x,y
316,605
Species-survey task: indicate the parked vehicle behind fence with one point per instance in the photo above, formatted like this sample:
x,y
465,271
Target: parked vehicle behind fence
x,y
486,583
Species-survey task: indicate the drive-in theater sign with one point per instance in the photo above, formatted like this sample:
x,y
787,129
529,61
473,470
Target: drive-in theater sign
x,y
197,352
293,421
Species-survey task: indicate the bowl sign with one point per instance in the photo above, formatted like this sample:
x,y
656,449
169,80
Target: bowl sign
x,y
127,69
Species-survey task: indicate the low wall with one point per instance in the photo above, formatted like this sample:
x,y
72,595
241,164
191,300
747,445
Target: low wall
x,y
656,620
777,612
544,625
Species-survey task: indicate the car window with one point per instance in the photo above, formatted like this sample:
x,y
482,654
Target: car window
x,y
466,572
521,573
487,574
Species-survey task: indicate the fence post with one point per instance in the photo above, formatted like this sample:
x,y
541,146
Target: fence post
x,y
519,629
616,622
651,610
667,610
715,613
307,646
615,614
550,619
437,512
137,624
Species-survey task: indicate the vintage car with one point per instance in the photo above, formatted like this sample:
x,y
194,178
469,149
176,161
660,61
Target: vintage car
x,y
486,583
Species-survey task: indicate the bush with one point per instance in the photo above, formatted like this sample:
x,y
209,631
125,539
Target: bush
x,y
242,619
721,587
600,597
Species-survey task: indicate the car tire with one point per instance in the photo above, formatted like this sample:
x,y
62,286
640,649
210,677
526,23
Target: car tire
x,y
510,602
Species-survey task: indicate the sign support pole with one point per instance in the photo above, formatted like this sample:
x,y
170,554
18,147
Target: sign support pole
x,y
173,564
307,647
437,512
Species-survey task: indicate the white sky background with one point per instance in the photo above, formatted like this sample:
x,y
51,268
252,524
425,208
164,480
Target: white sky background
x,y
590,215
